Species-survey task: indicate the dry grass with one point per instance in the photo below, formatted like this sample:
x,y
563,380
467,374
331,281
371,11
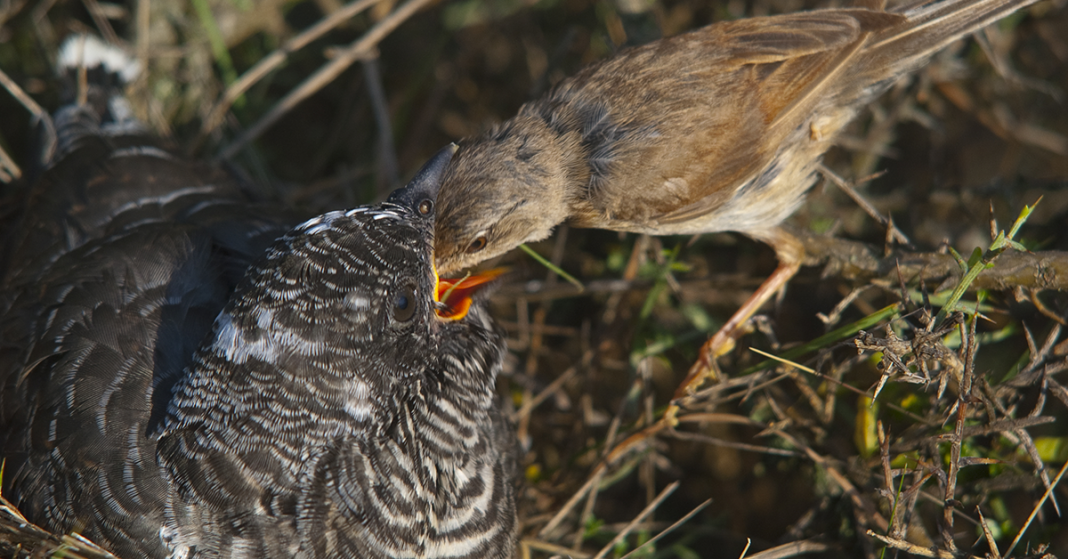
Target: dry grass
x,y
969,431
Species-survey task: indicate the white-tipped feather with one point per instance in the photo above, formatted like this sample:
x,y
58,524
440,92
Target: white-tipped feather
x,y
89,51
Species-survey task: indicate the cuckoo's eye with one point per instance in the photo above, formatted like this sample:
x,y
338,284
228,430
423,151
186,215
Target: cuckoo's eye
x,y
404,304
425,207
477,244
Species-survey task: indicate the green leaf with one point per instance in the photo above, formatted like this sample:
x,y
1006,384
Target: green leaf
x,y
834,336
556,269
218,45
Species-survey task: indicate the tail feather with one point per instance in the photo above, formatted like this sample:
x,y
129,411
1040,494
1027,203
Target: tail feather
x,y
106,174
932,26
94,75
89,51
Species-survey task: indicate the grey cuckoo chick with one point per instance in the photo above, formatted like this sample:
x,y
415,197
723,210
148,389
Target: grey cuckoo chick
x,y
178,383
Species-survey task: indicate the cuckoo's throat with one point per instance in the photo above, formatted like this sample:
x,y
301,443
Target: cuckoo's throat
x,y
456,294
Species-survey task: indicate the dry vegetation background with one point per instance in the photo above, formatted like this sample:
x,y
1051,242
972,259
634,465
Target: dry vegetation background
x,y
970,430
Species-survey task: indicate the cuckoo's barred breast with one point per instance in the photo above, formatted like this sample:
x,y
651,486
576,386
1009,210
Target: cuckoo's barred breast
x,y
178,383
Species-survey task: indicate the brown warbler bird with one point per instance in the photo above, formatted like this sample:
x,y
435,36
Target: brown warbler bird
x,y
719,129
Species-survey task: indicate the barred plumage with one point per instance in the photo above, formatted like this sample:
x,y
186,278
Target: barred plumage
x,y
157,402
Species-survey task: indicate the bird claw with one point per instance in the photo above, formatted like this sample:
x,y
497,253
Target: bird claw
x,y
705,367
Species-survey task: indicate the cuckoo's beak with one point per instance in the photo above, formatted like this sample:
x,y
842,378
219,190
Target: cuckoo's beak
x,y
454,295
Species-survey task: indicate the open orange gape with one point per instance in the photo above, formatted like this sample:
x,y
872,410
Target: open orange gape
x,y
455,294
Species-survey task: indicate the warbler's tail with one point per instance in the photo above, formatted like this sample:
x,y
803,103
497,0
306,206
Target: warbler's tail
x,y
930,26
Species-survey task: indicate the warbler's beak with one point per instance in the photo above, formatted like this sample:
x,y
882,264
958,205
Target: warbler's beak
x,y
454,295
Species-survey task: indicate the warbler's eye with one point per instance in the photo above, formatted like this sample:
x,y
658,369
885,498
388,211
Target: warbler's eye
x,y
477,244
425,207
404,304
